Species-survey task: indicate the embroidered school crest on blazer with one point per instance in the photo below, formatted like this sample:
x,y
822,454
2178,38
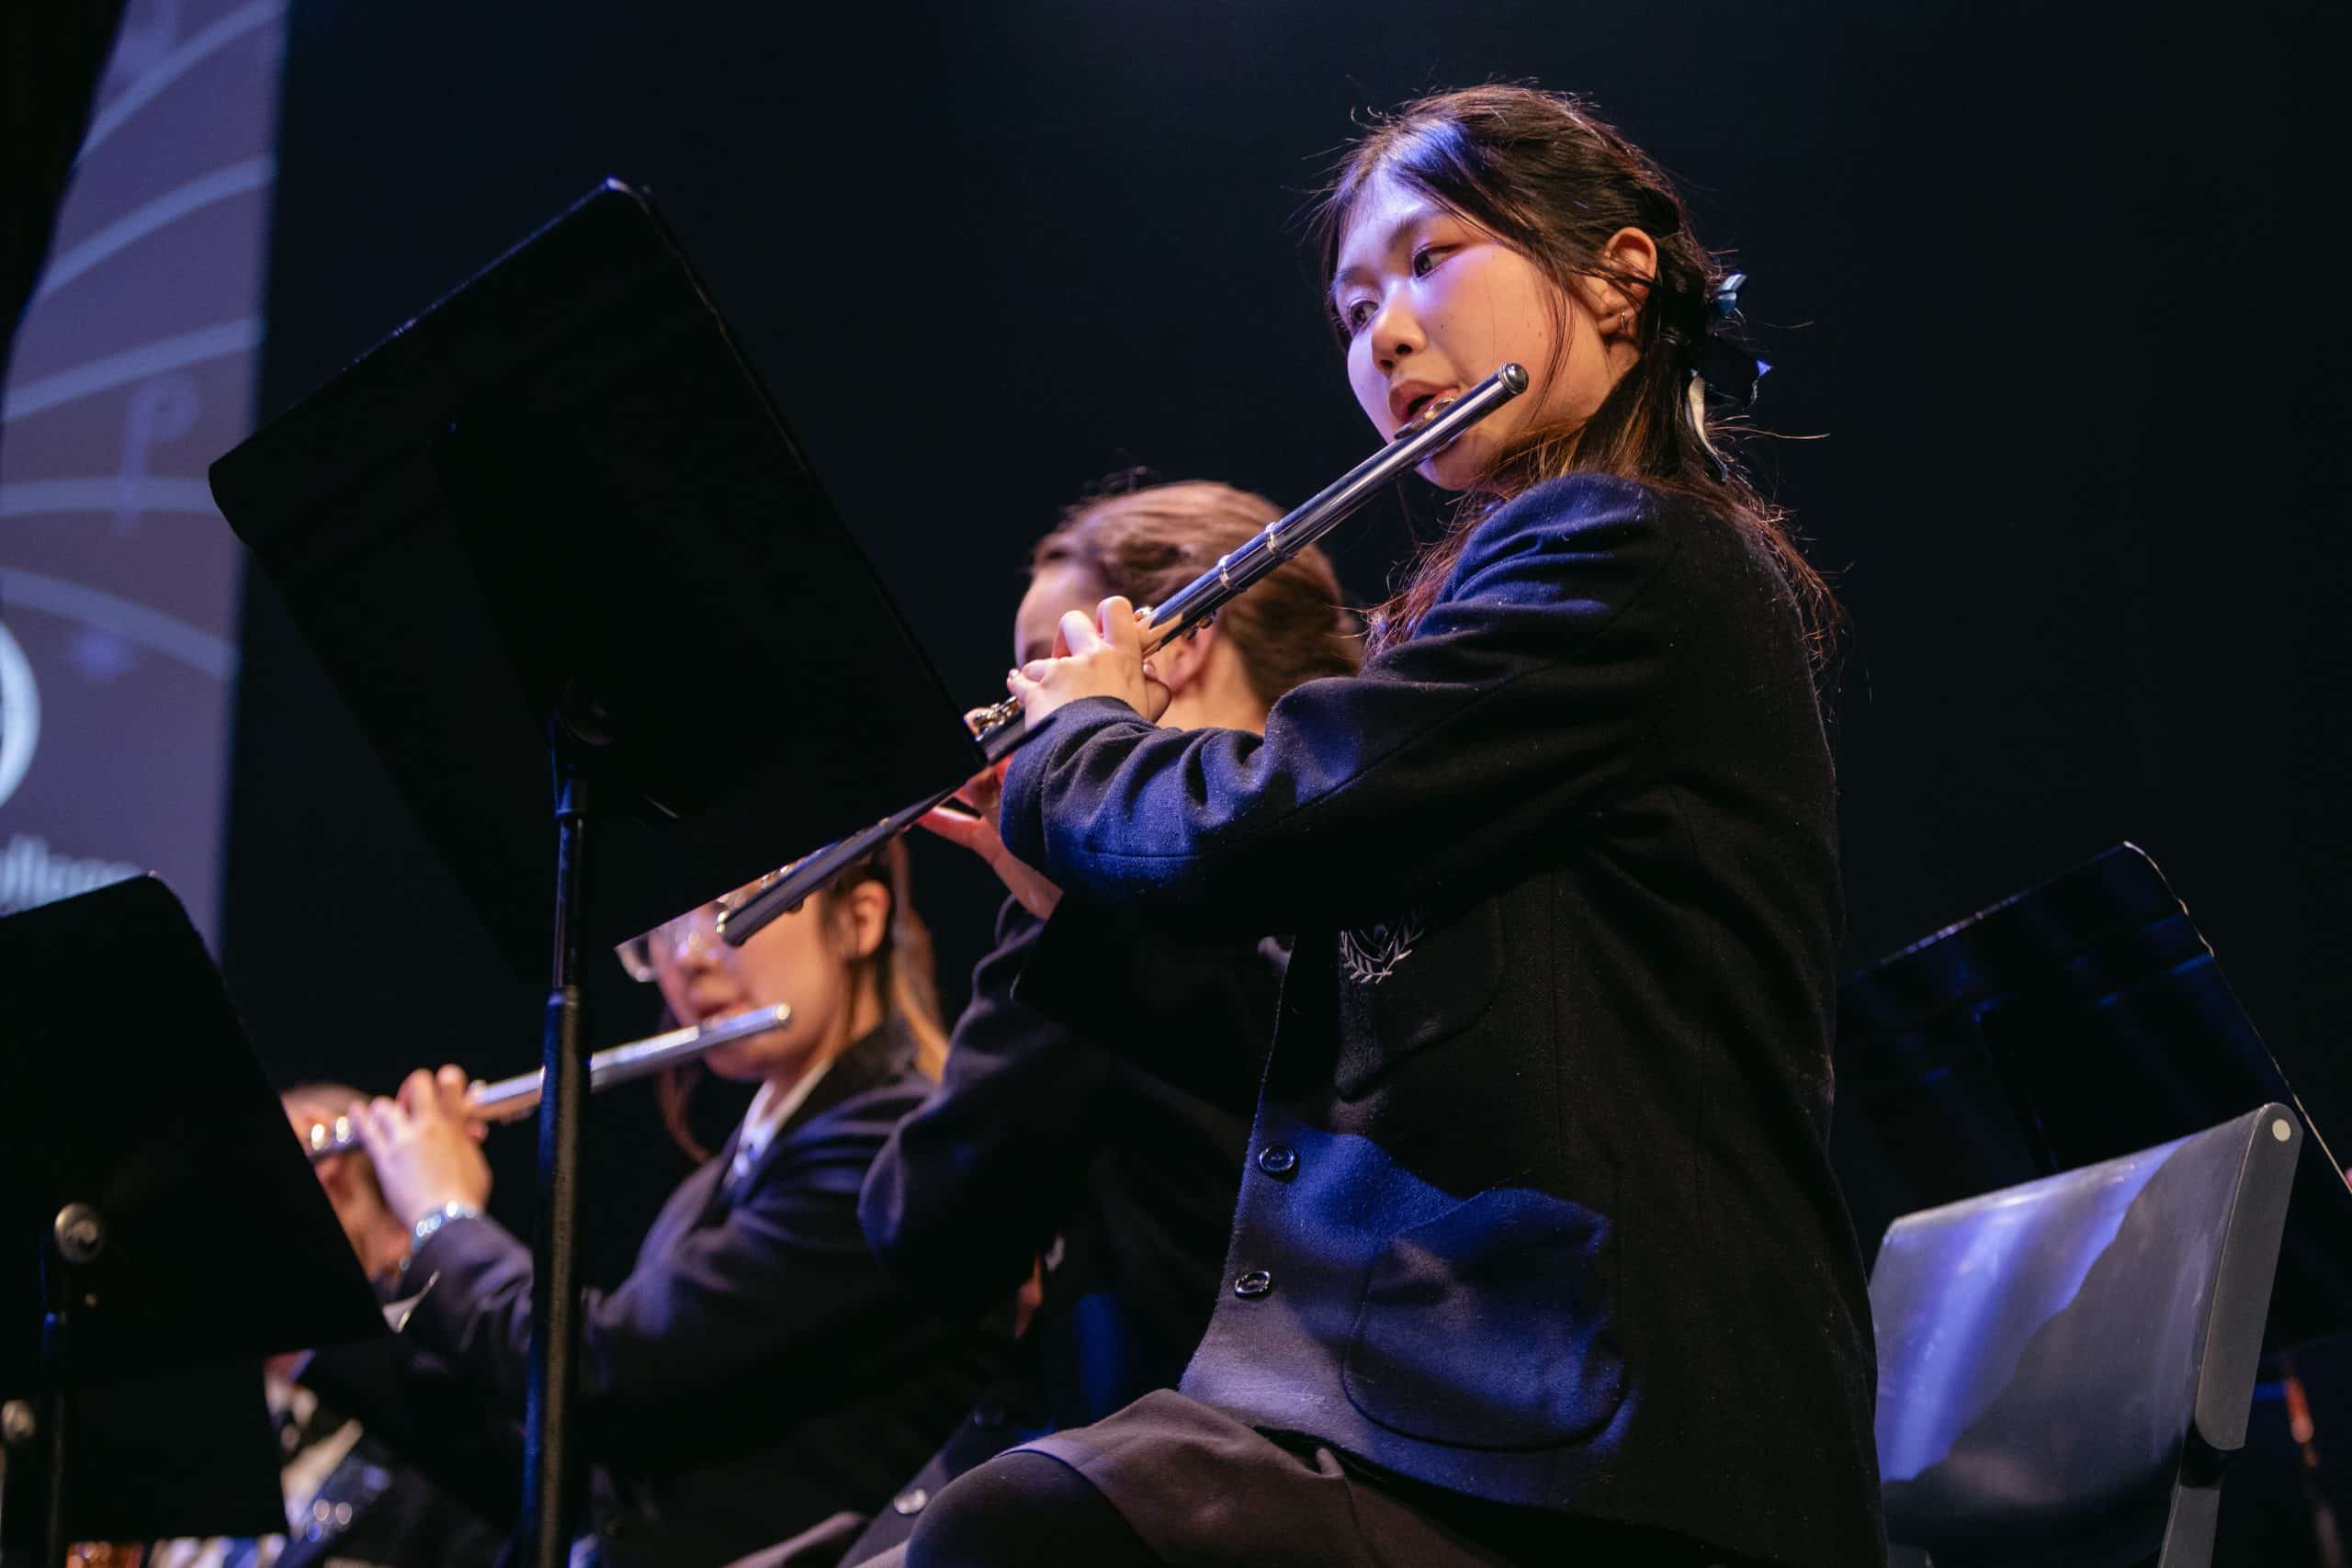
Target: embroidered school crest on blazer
x,y
1370,955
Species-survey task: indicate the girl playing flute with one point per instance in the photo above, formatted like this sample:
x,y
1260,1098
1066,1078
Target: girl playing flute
x,y
757,1373
1538,1257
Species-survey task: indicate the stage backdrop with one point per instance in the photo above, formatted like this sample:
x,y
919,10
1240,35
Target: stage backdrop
x,y
133,369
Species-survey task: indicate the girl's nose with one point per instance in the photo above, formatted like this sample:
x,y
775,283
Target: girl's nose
x,y
1396,334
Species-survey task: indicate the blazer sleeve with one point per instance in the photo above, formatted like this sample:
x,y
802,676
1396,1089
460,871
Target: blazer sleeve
x,y
786,1268
1524,695
968,1190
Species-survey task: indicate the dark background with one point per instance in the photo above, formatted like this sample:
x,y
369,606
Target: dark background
x,y
2046,293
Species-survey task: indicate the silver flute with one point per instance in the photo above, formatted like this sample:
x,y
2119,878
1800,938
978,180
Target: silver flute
x,y
999,730
511,1100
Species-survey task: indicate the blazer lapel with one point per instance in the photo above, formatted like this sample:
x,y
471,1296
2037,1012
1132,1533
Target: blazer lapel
x,y
873,1060
700,1198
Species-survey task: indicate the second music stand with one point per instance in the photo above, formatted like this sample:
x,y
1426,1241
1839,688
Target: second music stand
x,y
161,1232
2077,1021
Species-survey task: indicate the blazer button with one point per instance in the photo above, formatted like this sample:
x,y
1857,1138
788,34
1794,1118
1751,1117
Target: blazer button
x,y
1278,1160
1256,1282
910,1501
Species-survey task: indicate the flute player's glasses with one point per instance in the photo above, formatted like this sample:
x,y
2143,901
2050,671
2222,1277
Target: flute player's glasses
x,y
646,954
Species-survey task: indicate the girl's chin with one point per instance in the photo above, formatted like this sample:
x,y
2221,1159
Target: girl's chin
x,y
737,1062
1462,462
1450,469
748,1061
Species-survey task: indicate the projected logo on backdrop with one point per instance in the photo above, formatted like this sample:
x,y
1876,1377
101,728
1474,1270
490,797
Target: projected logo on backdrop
x,y
133,369
19,715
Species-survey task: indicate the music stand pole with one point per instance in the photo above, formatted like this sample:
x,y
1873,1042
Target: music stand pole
x,y
73,1241
553,1506
80,1224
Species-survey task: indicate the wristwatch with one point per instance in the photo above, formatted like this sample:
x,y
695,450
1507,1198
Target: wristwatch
x,y
429,1224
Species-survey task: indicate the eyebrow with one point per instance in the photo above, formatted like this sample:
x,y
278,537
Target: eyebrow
x,y
1420,214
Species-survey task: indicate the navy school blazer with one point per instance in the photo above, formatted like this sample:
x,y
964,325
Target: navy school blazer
x,y
1039,1144
757,1372
1538,1207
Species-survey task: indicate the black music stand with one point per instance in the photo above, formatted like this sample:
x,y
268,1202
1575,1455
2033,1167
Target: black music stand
x,y
2075,1023
552,531
163,1232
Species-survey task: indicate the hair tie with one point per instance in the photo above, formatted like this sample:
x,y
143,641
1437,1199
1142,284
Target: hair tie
x,y
1727,369
1724,371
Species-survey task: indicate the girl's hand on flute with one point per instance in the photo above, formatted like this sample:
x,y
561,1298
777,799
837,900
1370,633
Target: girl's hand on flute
x,y
455,1090
975,830
425,1156
1104,659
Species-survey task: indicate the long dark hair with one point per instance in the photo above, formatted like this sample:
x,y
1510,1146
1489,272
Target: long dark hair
x,y
1546,176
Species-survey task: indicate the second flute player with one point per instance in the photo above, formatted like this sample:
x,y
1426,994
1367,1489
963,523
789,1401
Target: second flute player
x,y
1117,1167
756,1374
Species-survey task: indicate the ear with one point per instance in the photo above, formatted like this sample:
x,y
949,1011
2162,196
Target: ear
x,y
1630,252
1180,663
864,915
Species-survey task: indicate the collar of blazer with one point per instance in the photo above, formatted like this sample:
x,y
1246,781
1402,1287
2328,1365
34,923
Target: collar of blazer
x,y
871,1060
